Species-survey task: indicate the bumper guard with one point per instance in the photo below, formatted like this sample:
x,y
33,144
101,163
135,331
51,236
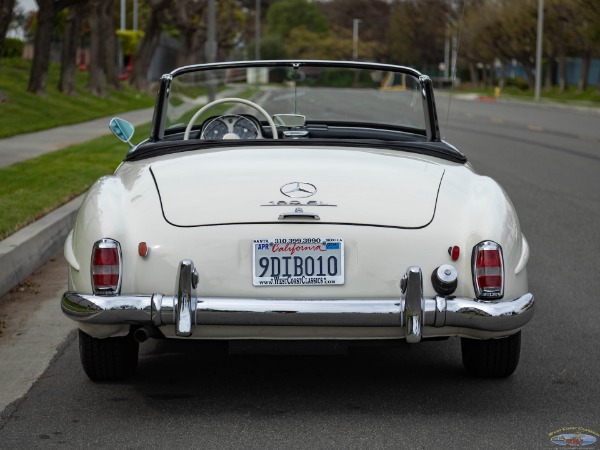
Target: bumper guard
x,y
411,311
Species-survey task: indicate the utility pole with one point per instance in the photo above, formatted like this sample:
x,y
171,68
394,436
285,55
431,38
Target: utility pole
x,y
355,23
257,32
538,52
447,55
135,15
211,47
122,27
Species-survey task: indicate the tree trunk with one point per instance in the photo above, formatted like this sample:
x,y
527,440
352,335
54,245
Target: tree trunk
x,y
190,21
530,75
585,71
550,68
474,74
139,76
46,17
562,72
192,46
68,63
38,77
96,83
111,59
484,77
6,11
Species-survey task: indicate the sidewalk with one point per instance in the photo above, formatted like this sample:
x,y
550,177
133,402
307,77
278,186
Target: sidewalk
x,y
30,247
26,146
27,249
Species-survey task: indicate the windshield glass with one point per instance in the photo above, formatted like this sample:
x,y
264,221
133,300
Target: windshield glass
x,y
324,95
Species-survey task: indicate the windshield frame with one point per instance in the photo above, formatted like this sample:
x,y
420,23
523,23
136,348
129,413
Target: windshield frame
x,y
159,120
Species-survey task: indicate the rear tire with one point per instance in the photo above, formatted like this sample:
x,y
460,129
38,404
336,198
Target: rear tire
x,y
492,358
108,359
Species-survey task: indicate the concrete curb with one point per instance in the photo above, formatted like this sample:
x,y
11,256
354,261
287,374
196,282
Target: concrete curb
x,y
32,246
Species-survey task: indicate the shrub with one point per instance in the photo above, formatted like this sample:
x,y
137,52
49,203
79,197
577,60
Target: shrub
x,y
518,82
12,48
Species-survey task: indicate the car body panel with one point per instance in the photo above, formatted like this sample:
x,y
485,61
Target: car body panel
x,y
470,208
399,199
237,185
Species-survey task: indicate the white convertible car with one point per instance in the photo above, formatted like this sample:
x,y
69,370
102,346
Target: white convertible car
x,y
296,200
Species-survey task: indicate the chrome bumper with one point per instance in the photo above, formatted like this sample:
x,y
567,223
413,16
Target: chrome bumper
x,y
411,311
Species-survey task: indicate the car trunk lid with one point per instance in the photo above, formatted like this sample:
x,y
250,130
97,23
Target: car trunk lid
x,y
247,185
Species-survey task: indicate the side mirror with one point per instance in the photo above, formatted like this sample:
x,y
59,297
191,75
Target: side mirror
x,y
122,129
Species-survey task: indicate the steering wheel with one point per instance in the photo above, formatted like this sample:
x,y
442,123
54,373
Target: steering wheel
x,y
188,129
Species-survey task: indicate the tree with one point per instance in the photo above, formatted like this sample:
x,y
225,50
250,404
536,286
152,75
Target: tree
x,y
152,30
103,67
109,33
6,14
588,37
271,47
46,18
230,20
191,24
561,24
38,78
285,15
71,39
418,31
96,82
268,45
508,32
374,28
300,29
306,44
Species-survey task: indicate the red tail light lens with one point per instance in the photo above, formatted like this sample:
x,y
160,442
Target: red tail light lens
x,y
106,267
488,270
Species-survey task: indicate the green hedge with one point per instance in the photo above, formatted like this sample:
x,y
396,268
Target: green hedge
x,y
12,48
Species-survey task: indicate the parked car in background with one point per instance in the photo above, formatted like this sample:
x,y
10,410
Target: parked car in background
x,y
310,200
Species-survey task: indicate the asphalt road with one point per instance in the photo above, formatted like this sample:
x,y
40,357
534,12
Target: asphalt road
x,y
548,160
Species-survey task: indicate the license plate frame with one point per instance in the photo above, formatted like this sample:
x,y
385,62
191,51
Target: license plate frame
x,y
298,262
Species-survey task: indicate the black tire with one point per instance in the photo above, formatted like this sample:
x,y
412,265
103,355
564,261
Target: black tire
x,y
493,358
108,359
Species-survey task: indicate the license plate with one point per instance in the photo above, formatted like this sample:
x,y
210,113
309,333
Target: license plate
x,y
298,262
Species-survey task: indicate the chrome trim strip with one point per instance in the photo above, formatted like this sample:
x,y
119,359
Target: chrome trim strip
x,y
297,214
411,310
440,311
184,296
413,304
292,63
499,316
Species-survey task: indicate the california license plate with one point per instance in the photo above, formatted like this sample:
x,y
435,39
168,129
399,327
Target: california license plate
x,y
298,262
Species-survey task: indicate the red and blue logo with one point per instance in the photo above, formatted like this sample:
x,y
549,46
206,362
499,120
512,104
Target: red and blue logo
x,y
573,439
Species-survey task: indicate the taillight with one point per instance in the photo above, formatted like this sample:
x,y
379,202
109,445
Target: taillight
x,y
106,267
488,270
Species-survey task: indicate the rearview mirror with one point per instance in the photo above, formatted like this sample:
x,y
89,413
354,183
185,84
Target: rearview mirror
x,y
122,129
289,120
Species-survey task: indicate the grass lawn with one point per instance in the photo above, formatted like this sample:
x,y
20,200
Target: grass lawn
x,y
32,188
23,112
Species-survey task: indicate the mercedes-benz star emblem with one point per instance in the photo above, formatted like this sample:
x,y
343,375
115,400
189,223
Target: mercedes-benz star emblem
x,y
298,190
